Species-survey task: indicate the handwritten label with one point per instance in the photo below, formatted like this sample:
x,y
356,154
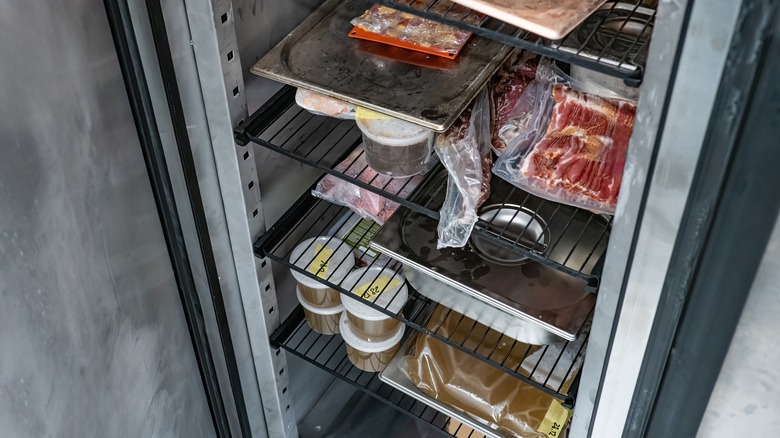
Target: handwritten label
x,y
370,291
319,265
360,235
554,420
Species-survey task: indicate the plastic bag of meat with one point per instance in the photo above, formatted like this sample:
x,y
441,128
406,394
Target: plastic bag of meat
x,y
418,31
365,203
465,151
579,159
515,102
322,105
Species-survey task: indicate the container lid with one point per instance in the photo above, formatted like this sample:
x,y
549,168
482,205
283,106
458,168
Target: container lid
x,y
329,258
379,285
389,130
358,343
317,309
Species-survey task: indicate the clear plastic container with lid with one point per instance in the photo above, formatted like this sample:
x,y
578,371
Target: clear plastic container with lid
x,y
371,356
328,258
321,319
394,147
385,288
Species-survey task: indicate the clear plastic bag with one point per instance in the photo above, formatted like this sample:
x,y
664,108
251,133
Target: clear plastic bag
x,y
365,203
512,100
410,28
465,152
578,158
473,386
322,105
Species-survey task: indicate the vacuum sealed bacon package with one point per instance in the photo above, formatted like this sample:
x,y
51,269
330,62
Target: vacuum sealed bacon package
x,y
464,150
578,160
365,203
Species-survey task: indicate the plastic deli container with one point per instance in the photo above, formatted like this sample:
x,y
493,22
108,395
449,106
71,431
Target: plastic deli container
x,y
385,288
394,147
321,319
371,356
327,257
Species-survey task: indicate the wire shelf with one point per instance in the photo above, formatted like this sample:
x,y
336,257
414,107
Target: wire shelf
x,y
550,368
329,354
578,238
613,40
320,142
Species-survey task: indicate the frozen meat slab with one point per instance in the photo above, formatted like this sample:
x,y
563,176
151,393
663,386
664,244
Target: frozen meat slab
x,y
320,56
552,19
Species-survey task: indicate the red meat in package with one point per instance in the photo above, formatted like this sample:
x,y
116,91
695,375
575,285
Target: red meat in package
x,y
365,203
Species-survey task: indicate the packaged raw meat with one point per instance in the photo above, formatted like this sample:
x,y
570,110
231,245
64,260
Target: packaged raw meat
x,y
322,105
465,151
417,31
513,108
365,203
579,159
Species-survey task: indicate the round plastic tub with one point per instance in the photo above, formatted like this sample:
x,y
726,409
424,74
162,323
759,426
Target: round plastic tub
x,y
321,319
385,288
371,356
394,147
327,257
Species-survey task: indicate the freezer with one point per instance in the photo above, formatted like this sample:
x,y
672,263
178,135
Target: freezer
x,y
389,218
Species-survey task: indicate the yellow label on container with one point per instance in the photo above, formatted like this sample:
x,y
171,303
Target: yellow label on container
x,y
319,265
554,420
370,291
365,113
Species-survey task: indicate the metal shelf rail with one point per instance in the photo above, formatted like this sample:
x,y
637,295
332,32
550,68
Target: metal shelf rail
x,y
612,41
323,143
546,369
328,353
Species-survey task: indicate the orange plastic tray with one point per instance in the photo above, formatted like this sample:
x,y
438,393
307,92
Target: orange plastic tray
x,y
363,34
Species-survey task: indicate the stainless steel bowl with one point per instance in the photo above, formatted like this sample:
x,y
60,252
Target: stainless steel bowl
x,y
516,224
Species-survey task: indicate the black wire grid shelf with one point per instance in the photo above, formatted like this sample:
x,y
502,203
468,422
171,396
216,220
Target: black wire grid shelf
x,y
547,369
323,142
613,40
328,353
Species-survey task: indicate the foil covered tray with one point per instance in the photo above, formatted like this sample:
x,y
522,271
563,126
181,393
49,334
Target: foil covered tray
x,y
424,89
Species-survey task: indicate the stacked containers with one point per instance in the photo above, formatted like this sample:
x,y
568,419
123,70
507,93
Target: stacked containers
x,y
372,337
329,259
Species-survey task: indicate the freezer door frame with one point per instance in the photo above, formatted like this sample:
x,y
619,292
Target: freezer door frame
x,y
730,216
687,58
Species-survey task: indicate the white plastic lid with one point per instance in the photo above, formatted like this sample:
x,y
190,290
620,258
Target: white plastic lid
x,y
379,285
316,309
358,343
389,130
333,257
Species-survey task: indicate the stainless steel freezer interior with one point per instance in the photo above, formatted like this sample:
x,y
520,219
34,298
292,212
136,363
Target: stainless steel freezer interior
x,y
88,296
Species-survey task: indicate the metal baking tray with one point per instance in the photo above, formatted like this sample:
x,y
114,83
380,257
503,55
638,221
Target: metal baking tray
x,y
394,376
320,56
528,297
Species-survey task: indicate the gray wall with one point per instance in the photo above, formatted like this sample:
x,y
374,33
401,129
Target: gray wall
x,y
94,341
744,400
